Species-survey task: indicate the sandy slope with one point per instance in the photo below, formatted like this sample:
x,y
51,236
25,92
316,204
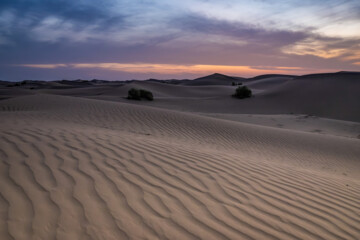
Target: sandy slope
x,y
74,168
334,96
298,122
213,79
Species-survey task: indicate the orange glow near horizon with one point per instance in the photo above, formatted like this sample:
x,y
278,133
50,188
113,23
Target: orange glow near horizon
x,y
168,68
175,69
47,66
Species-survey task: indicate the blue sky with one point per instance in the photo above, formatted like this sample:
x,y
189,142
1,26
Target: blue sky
x,y
113,39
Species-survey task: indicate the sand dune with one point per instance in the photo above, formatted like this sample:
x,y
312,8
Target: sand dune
x,y
333,96
76,168
213,79
298,122
268,83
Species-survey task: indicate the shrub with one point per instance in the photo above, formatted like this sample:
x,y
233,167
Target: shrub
x,y
138,94
242,92
134,94
146,94
235,83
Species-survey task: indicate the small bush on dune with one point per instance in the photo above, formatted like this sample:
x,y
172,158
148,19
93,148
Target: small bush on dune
x,y
134,94
242,92
236,83
146,94
138,94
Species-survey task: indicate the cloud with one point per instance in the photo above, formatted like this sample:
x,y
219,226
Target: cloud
x,y
297,34
335,18
47,66
327,48
141,18
237,30
311,46
53,21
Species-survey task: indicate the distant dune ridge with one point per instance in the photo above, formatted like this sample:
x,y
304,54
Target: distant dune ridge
x,y
80,161
213,79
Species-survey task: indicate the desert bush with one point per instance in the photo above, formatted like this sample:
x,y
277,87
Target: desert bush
x,y
146,94
242,92
138,94
134,94
236,83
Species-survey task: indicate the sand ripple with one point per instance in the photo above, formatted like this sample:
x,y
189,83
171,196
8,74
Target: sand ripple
x,y
86,169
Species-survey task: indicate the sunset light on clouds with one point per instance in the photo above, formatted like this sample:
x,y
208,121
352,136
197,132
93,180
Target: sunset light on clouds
x,y
173,69
120,40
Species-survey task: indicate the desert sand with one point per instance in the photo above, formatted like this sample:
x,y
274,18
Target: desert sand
x,y
83,162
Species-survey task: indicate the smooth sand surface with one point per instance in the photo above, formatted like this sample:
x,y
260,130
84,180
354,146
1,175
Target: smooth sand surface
x,y
80,168
298,122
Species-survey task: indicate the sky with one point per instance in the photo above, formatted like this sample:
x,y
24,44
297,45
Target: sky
x,y
164,39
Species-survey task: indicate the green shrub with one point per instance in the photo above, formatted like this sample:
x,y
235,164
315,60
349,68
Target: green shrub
x,y
138,94
236,83
242,92
134,94
146,94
